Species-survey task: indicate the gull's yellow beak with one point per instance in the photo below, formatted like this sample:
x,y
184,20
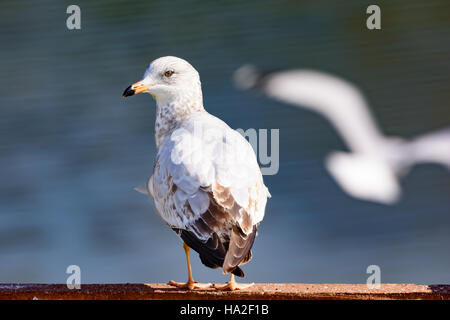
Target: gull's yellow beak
x,y
135,88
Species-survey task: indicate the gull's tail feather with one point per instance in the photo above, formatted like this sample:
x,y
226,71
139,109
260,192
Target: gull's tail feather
x,y
239,250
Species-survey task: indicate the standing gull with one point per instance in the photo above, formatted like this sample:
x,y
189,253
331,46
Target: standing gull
x,y
206,183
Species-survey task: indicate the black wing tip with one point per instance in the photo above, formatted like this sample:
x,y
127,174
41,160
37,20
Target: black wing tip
x,y
213,252
237,272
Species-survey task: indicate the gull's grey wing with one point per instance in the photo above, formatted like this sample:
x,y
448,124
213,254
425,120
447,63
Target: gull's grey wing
x,y
207,186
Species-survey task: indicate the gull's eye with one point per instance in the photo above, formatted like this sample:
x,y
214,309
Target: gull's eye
x,y
168,73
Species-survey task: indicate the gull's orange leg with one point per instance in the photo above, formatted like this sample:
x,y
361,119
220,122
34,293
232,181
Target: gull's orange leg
x,y
190,284
233,285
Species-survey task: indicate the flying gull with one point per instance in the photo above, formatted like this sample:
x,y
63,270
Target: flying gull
x,y
371,170
206,183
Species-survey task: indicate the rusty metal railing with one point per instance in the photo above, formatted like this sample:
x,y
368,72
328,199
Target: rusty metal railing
x,y
269,291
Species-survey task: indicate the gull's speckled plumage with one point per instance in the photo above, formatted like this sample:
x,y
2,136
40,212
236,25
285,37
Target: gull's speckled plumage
x,y
206,182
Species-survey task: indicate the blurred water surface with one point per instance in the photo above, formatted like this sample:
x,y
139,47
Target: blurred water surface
x,y
71,149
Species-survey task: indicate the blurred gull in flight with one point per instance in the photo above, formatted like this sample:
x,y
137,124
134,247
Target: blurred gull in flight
x,y
374,163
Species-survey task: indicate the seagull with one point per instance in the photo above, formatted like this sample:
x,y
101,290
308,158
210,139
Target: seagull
x,y
206,183
371,169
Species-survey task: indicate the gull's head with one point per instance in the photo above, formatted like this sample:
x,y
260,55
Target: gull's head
x,y
168,79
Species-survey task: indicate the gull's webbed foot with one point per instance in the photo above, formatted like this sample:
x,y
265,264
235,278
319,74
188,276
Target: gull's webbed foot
x,y
233,285
191,285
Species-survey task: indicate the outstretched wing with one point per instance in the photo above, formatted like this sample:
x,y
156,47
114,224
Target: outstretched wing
x,y
208,187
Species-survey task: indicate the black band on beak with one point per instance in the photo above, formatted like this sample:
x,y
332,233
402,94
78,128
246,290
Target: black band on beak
x,y
128,92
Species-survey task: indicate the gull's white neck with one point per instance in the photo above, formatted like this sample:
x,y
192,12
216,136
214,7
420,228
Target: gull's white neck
x,y
171,112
